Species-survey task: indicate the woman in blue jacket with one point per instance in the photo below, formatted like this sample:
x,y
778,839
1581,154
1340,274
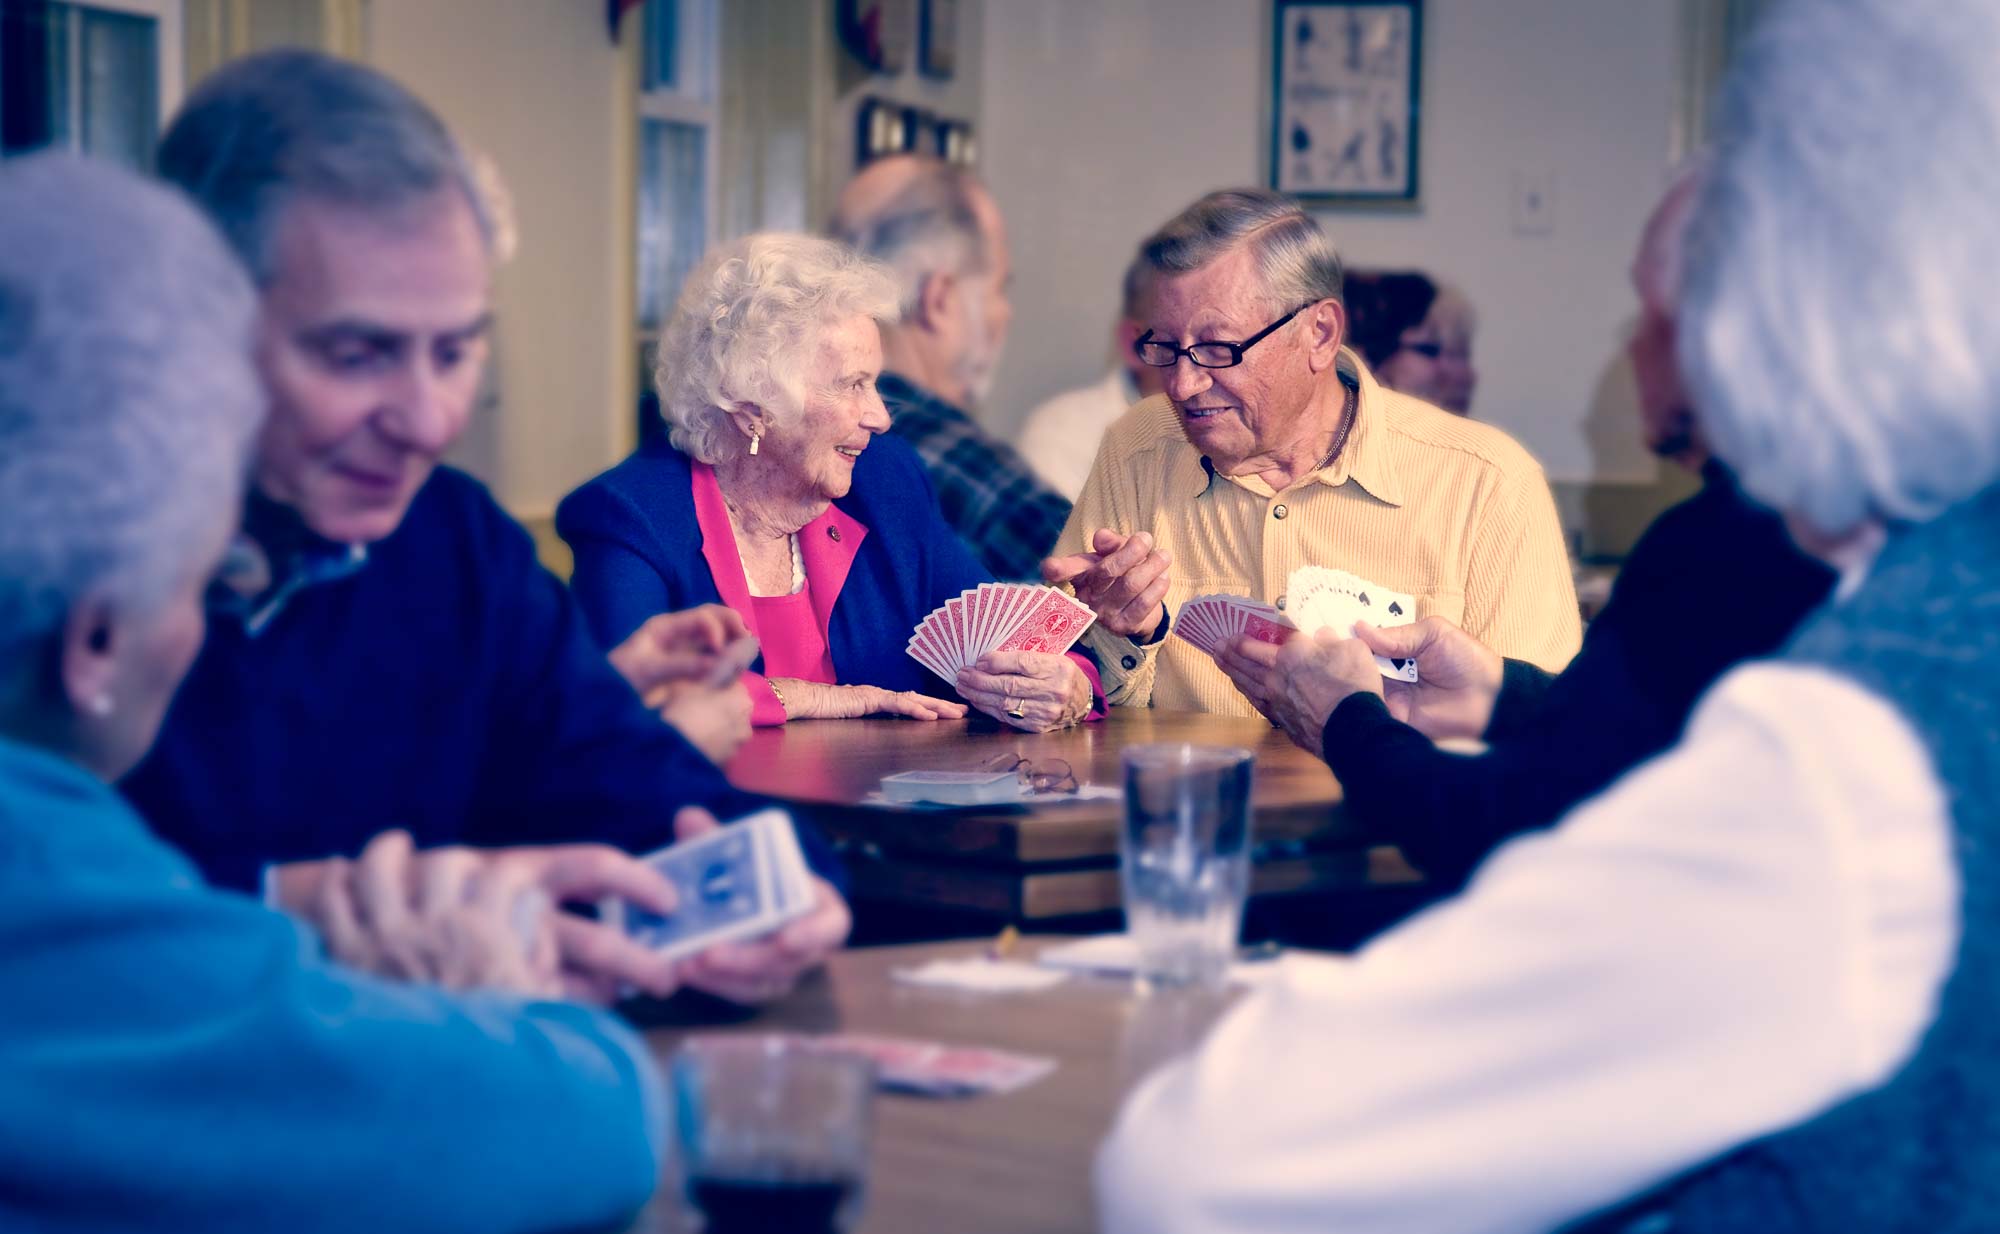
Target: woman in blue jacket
x,y
779,495
176,1057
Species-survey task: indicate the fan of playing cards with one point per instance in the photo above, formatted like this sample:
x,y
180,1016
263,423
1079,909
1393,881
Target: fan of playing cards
x,y
1315,598
739,881
997,617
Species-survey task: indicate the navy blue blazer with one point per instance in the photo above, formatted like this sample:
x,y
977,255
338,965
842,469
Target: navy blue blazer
x,y
638,552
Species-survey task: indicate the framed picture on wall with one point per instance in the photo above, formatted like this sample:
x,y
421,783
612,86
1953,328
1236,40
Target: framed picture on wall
x,y
1344,112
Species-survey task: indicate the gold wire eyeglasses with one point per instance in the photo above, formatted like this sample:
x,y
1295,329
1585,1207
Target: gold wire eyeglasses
x,y
1051,775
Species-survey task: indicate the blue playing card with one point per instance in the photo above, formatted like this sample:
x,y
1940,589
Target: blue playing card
x,y
743,880
720,884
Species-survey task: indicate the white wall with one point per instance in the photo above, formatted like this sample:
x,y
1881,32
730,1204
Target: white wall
x,y
541,90
1103,117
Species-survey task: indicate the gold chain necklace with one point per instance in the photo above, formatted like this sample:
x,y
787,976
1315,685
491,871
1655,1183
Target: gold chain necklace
x,y
1346,426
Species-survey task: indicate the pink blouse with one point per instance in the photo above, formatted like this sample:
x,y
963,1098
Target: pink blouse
x,y
792,630
793,643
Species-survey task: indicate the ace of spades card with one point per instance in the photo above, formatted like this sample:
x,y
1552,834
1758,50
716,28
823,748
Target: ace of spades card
x,y
1317,597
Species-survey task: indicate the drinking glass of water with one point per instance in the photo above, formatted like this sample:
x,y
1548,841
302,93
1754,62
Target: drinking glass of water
x,y
1185,858
773,1136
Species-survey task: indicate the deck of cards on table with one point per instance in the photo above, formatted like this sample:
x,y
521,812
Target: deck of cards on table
x,y
1316,598
742,880
997,617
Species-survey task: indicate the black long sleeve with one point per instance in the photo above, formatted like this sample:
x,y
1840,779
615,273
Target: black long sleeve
x,y
1714,582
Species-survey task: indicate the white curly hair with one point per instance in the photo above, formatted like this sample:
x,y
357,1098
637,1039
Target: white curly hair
x,y
747,326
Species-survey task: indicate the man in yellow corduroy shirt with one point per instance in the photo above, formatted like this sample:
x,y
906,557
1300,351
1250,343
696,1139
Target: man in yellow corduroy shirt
x,y
1274,448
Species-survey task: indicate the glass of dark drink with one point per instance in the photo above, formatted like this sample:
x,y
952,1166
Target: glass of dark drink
x,y
773,1136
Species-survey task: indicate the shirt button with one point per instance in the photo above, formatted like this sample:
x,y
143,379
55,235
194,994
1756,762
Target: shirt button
x,y
1130,662
834,534
1281,604
1279,511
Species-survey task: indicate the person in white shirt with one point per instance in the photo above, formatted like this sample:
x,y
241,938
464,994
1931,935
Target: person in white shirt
x,y
1059,438
1750,986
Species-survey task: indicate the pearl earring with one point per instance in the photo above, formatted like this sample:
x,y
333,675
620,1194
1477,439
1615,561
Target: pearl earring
x,y
99,705
756,439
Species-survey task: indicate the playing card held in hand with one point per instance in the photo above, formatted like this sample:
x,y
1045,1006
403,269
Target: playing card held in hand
x,y
997,617
1317,598
1210,622
742,880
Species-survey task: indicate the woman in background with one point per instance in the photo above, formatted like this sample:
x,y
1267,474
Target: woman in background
x,y
1415,335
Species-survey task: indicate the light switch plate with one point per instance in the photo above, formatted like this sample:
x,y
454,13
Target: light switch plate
x,y
1535,201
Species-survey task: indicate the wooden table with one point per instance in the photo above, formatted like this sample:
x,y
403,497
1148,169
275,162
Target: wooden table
x,y
1017,1163
1028,863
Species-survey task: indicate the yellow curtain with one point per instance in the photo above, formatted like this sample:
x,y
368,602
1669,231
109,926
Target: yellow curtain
x,y
218,30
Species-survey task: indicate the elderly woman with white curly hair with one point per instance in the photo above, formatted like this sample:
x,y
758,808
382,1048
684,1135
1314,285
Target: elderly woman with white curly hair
x,y
177,1056
778,495
1752,986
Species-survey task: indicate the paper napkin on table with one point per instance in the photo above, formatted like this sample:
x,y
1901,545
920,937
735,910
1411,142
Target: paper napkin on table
x,y
980,973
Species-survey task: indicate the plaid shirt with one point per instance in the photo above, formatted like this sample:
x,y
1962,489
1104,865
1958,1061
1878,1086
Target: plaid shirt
x,y
989,494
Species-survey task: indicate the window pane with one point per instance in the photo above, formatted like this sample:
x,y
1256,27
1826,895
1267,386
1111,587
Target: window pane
x,y
663,45
77,77
120,92
673,215
34,75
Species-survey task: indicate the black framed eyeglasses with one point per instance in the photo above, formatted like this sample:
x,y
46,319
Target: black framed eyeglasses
x,y
1161,354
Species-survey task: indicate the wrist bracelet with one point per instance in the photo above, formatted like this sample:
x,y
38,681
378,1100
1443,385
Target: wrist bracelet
x,y
780,696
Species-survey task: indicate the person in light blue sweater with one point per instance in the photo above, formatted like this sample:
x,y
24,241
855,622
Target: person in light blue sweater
x,y
174,1056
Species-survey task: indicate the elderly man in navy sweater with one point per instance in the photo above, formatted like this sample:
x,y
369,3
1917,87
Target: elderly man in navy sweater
x,y
403,663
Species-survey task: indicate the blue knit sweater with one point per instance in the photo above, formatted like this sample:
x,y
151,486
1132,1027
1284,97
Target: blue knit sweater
x,y
448,687
178,1058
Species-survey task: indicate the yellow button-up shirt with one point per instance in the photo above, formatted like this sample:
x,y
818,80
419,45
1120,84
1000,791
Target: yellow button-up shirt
x,y
1451,511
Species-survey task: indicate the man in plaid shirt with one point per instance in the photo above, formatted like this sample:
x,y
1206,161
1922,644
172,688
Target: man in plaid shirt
x,y
938,229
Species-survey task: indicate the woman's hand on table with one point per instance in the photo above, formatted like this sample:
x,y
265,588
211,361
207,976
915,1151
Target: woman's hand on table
x,y
766,968
815,700
1032,690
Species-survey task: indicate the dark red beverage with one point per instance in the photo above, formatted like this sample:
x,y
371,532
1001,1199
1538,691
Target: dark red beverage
x,y
770,1202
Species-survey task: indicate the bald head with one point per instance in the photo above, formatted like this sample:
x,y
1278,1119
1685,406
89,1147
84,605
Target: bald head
x,y
922,217
1656,269
939,231
1665,416
873,187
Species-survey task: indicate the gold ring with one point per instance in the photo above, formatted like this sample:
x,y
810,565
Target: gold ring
x,y
1016,710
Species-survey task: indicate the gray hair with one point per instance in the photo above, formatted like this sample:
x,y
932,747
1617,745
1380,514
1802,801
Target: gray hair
x,y
1132,290
928,227
272,128
128,396
1838,327
1296,260
746,329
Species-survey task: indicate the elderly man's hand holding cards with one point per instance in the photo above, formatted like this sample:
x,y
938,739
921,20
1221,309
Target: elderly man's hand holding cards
x,y
1317,598
743,880
1297,672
